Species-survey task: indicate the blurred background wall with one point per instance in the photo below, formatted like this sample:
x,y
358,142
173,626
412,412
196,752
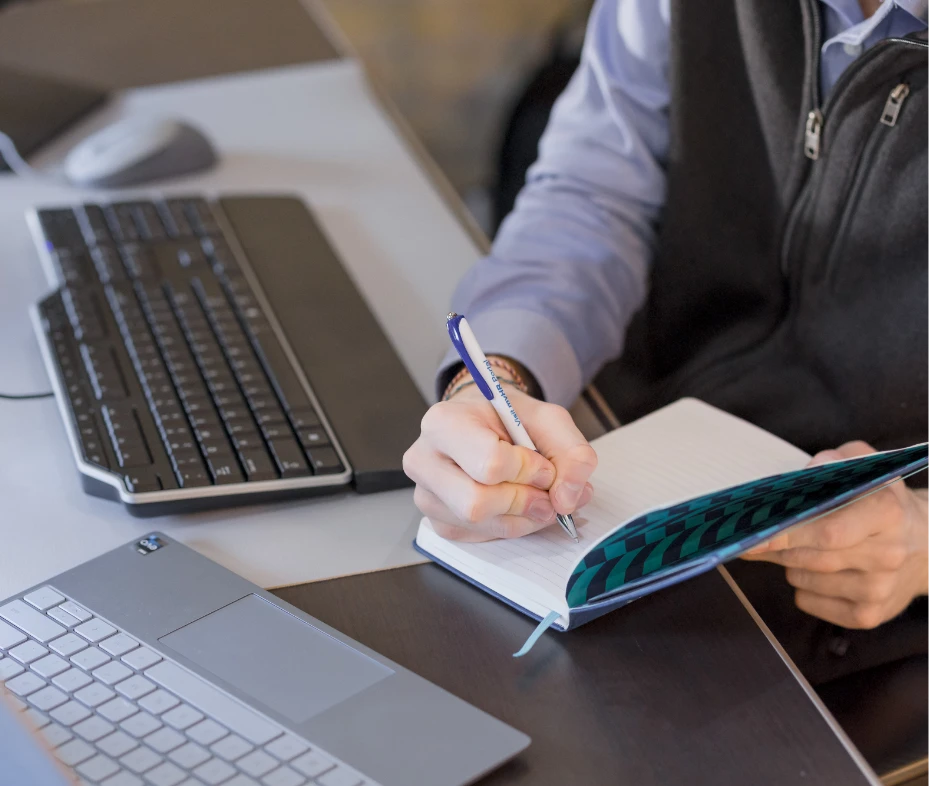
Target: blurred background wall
x,y
456,68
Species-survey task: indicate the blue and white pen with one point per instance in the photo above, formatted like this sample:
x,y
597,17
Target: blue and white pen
x,y
483,374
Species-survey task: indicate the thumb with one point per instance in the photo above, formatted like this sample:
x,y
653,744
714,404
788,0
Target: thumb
x,y
558,439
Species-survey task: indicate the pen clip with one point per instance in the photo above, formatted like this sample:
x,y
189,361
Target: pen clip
x,y
451,322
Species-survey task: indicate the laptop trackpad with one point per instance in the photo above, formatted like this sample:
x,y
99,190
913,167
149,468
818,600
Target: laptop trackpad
x,y
285,663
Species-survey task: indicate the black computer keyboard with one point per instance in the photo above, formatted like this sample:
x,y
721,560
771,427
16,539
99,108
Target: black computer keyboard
x,y
183,342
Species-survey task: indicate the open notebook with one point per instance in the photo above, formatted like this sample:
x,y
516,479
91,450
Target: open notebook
x,y
675,493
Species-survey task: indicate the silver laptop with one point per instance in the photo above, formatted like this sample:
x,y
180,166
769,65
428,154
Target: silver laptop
x,y
153,665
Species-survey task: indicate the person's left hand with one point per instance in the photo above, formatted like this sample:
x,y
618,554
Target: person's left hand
x,y
861,565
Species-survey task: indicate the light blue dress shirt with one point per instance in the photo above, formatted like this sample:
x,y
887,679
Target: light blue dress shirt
x,y
569,266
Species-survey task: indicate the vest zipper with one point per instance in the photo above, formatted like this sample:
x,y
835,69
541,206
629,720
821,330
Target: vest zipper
x,y
817,117
888,119
814,132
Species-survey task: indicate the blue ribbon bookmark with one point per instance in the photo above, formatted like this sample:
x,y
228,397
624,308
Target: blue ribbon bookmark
x,y
543,626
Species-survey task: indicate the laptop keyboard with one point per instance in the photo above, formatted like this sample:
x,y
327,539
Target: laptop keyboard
x,y
120,714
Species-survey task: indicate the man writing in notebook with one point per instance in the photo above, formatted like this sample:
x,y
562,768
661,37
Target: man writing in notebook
x,y
732,201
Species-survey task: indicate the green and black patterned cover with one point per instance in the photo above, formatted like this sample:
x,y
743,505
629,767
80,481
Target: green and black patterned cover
x,y
719,526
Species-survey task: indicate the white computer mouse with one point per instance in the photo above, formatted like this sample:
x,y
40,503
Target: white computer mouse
x,y
134,151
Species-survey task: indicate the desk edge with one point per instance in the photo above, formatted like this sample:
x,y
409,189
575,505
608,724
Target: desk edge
x,y
817,702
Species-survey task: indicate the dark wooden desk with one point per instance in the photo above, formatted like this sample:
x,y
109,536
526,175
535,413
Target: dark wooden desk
x,y
680,688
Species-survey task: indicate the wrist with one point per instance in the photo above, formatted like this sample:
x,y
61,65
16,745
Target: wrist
x,y
506,371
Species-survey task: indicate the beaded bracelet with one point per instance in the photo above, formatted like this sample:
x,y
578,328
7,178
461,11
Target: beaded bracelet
x,y
453,391
512,376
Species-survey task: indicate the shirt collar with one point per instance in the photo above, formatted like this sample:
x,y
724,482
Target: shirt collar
x,y
850,10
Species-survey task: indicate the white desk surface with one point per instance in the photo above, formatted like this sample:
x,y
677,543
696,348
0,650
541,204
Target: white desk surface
x,y
314,130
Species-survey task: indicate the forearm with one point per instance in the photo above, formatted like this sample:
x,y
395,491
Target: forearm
x,y
570,265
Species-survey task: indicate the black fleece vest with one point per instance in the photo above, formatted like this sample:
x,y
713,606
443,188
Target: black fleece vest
x,y
790,282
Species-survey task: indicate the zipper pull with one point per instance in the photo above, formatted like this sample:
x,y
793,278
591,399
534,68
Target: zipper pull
x,y
814,130
894,103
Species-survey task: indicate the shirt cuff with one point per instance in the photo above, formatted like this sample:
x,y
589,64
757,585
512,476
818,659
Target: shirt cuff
x,y
533,340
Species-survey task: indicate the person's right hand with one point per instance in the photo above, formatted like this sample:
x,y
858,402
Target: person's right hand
x,y
474,484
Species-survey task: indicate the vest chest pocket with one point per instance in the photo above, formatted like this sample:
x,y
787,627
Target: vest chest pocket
x,y
876,182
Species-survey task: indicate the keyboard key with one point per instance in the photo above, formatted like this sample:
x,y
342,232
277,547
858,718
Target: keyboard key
x,y
123,778
158,702
98,768
55,735
9,668
117,709
141,480
283,776
287,747
34,623
140,760
289,458
312,763
70,713
212,702
10,636
76,611
192,478
241,780
49,666
48,698
257,465
141,658
189,756
207,732
231,748
140,725
74,752
90,658
224,469
257,763
25,684
117,744
112,673
166,774
43,598
95,630
68,644
164,739
135,687
94,694
325,461
72,680
28,651
214,771
340,776
182,716
93,728
62,617
313,437
304,418
119,644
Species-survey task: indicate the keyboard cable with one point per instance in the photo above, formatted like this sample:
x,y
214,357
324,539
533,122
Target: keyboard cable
x,y
17,164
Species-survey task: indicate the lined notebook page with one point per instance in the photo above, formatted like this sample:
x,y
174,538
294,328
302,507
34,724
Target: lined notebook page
x,y
681,451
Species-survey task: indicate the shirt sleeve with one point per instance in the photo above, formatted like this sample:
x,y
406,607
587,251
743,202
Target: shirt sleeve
x,y
569,267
